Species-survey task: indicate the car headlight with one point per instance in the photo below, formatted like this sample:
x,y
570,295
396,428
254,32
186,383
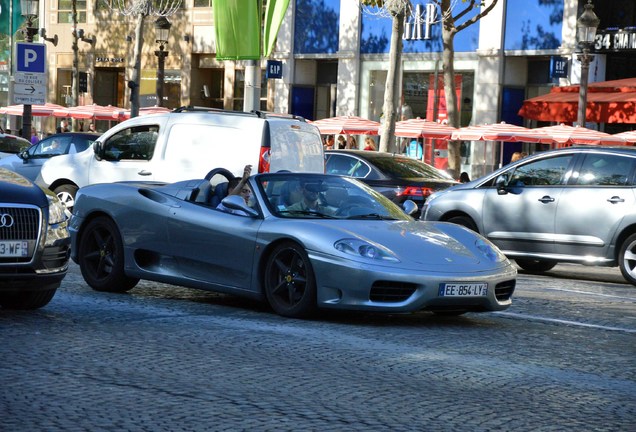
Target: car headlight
x,y
489,250
57,210
364,249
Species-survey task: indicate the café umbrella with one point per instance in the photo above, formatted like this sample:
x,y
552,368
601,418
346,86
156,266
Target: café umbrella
x,y
347,125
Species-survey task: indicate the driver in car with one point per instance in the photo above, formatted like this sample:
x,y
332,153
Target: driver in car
x,y
239,186
310,201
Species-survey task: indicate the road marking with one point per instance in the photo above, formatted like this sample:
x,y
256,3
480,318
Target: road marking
x,y
567,322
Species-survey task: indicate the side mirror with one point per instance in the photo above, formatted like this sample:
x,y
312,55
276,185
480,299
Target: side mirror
x,y
98,149
24,155
235,202
501,184
409,207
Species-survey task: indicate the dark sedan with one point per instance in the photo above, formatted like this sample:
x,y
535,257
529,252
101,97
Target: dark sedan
x,y
29,162
34,243
396,176
12,144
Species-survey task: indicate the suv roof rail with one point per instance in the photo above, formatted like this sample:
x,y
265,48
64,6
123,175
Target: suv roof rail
x,y
265,114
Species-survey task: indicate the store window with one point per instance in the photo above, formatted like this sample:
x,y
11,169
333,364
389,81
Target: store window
x,y
239,90
65,11
533,24
316,26
203,3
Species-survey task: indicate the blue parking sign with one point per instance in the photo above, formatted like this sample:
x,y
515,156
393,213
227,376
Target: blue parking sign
x,y
30,57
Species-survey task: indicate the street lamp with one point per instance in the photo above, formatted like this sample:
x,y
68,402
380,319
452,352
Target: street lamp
x,y
29,10
586,32
162,28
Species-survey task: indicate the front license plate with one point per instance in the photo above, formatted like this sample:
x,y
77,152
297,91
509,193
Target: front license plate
x,y
463,290
14,248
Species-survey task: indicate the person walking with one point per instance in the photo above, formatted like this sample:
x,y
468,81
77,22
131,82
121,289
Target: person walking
x,y
369,144
34,136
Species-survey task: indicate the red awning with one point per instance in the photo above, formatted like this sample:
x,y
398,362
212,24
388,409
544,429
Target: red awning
x,y
607,102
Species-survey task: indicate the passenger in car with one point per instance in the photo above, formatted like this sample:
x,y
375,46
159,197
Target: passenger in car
x,y
239,186
311,199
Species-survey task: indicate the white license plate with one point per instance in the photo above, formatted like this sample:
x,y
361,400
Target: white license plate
x,y
463,290
14,248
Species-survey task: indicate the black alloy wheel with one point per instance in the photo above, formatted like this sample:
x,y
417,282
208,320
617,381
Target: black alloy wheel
x,y
289,281
101,257
535,266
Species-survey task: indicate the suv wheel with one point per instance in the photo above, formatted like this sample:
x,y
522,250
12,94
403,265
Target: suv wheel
x,y
28,299
464,221
627,259
535,266
66,193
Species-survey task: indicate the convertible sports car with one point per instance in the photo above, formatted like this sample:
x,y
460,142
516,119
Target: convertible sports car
x,y
301,242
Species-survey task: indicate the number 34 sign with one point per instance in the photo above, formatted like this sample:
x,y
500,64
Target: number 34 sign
x,y
274,69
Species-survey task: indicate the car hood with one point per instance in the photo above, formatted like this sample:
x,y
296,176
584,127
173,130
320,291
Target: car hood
x,y
16,189
426,246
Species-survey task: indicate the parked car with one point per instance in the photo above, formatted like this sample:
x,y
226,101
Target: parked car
x,y
29,162
34,243
398,177
12,144
186,143
356,250
573,205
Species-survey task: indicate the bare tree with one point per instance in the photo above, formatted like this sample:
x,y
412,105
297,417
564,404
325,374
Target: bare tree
x,y
397,10
451,13
140,9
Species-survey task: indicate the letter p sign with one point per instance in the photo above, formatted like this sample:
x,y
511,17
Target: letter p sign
x,y
31,57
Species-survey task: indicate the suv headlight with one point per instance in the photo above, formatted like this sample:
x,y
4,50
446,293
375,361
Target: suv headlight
x,y
57,210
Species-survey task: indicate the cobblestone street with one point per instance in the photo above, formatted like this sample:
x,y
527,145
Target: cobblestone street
x,y
167,358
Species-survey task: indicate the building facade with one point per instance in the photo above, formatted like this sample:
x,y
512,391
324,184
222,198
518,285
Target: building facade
x,y
334,56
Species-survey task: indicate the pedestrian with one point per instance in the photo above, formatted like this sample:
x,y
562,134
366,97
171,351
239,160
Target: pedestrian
x,y
63,127
369,144
34,136
329,142
518,155
414,149
463,177
342,143
91,127
352,143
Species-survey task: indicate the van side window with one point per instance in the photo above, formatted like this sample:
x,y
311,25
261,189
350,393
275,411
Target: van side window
x,y
136,143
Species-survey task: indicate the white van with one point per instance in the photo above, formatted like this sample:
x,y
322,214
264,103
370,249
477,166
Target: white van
x,y
187,144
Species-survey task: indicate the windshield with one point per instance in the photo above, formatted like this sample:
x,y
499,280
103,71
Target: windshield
x,y
327,197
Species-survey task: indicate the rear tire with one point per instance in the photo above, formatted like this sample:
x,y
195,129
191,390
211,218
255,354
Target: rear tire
x,y
66,193
27,299
627,259
101,257
464,221
535,266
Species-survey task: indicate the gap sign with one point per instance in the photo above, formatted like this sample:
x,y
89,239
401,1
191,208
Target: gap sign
x,y
30,74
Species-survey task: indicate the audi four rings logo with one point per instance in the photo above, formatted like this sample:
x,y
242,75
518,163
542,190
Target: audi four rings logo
x,y
6,220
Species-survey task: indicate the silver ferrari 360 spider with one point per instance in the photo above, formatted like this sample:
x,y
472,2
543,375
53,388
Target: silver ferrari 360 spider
x,y
302,242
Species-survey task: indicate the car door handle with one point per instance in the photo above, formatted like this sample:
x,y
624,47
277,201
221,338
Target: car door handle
x,y
147,173
615,199
546,199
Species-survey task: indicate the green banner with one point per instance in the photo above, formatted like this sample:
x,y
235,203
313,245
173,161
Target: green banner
x,y
273,18
237,27
10,20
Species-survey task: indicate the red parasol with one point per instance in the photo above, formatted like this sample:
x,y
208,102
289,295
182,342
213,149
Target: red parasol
x,y
347,125
95,112
420,128
568,135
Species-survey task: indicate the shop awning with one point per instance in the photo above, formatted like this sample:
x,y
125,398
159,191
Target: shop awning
x,y
607,102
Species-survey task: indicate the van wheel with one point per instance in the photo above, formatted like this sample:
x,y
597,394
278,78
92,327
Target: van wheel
x,y
627,259
464,221
535,266
66,193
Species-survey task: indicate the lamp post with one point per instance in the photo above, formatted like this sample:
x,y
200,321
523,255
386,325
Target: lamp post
x,y
162,28
586,32
29,10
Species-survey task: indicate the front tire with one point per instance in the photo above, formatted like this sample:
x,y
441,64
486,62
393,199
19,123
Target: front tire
x,y
535,266
66,193
101,257
627,259
290,285
27,300
464,221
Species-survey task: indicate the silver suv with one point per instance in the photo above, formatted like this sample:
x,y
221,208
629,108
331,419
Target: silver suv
x,y
573,205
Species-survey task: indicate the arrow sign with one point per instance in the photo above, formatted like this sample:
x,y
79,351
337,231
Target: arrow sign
x,y
29,89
